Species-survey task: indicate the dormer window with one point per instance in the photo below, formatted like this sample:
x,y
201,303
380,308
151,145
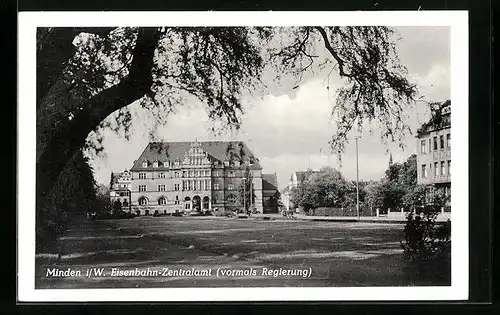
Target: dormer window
x,y
145,164
166,163
237,163
226,163
155,164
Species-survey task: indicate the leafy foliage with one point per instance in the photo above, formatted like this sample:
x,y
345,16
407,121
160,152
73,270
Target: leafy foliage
x,y
73,194
438,119
216,64
85,75
427,245
327,188
398,188
246,190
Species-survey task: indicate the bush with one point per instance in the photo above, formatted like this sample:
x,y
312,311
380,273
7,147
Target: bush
x,y
427,248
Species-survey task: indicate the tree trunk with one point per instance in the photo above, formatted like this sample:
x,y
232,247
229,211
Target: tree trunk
x,y
72,135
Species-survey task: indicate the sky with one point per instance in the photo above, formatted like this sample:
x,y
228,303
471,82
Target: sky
x,y
289,129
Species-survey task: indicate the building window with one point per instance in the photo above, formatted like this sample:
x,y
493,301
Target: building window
x,y
216,173
143,201
142,175
424,171
226,163
448,140
231,174
197,174
436,169
145,164
176,186
231,199
237,163
449,167
230,186
161,175
216,186
162,201
442,168
191,173
187,203
176,163
435,143
142,187
155,164
184,174
422,147
430,145
161,187
441,142
176,174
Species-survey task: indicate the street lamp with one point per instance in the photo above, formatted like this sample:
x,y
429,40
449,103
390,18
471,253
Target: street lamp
x,y
357,176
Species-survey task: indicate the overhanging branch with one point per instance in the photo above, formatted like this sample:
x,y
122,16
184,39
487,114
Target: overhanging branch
x,y
332,51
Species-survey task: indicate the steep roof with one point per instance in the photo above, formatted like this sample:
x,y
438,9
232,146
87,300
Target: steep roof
x,y
303,175
269,182
175,151
440,119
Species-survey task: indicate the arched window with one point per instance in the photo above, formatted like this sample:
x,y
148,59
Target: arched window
x,y
143,201
231,199
162,201
206,202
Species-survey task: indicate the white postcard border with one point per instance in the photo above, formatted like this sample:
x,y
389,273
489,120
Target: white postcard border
x,y
29,21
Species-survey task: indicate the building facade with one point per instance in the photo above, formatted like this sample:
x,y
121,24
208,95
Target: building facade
x,y
296,178
434,153
119,194
270,193
188,177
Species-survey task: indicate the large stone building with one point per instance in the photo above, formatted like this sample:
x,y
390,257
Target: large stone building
x,y
182,177
270,193
295,179
434,152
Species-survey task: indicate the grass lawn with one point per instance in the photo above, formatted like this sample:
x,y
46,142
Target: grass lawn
x,y
336,253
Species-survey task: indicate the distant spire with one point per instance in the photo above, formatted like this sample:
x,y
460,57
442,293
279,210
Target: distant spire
x,y
390,159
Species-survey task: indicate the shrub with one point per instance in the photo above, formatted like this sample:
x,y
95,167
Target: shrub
x,y
427,247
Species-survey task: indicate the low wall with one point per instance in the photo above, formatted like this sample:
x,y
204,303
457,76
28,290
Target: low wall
x,y
339,212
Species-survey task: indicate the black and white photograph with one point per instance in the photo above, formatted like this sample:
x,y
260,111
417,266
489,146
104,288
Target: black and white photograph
x,y
243,156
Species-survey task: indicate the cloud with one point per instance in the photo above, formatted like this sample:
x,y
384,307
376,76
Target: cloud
x,y
290,131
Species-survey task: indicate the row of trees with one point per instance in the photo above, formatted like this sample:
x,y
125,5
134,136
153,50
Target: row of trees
x,y
326,188
398,188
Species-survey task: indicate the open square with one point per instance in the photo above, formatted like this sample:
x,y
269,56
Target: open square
x,y
338,253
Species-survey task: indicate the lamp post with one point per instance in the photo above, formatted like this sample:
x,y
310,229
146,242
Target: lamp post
x,y
357,176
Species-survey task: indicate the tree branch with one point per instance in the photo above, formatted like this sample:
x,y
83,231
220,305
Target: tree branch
x,y
332,51
52,58
72,135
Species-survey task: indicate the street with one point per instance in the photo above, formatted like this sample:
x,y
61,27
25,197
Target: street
x,y
336,253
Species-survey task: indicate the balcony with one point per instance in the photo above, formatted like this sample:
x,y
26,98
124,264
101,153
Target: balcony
x,y
441,154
